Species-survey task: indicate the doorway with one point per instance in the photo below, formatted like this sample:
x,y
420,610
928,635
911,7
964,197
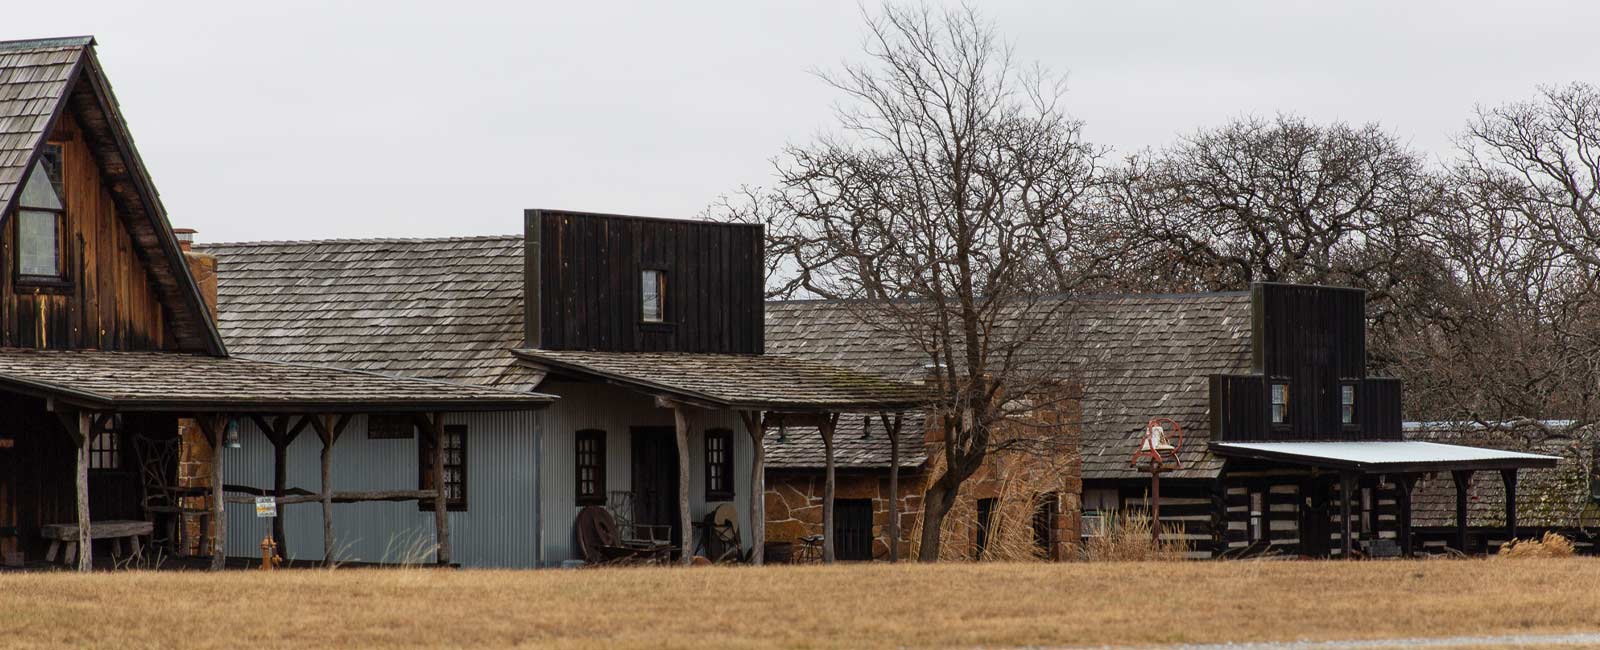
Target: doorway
x,y
852,529
655,478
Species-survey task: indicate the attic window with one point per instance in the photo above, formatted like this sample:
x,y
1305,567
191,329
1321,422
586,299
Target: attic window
x,y
652,296
1280,403
39,219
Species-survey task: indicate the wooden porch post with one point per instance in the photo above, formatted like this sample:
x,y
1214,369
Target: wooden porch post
x,y
1509,477
1463,481
84,434
680,418
1405,482
825,424
328,431
892,428
758,486
1347,485
215,428
277,430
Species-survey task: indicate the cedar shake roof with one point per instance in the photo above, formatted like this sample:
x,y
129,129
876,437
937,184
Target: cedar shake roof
x,y
39,81
748,381
859,442
1138,356
1556,497
168,381
446,309
34,76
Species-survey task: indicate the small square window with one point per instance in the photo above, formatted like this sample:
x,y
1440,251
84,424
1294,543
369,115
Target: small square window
x,y
1347,403
105,451
1280,403
653,292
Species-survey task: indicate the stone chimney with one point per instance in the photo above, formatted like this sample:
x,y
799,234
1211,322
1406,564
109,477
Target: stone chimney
x,y
203,266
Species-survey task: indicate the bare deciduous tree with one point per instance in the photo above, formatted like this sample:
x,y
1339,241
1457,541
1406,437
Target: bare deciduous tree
x,y
948,205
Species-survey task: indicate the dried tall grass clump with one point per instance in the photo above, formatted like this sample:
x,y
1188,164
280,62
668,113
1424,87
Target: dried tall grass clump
x,y
1550,546
1125,537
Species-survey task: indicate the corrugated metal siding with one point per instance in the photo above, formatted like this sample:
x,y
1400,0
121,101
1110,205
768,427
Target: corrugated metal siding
x,y
498,529
615,410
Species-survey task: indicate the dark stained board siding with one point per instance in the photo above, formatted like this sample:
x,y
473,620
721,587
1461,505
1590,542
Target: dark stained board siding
x,y
587,274
108,301
1315,338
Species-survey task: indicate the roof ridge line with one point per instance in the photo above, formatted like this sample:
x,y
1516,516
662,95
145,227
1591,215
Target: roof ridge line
x,y
47,42
356,240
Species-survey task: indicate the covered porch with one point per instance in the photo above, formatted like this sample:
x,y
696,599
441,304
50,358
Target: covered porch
x,y
764,391
93,437
1359,478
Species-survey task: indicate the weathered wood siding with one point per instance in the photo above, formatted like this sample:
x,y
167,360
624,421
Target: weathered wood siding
x,y
584,283
107,301
1313,338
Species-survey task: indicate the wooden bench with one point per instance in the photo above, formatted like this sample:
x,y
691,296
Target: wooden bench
x,y
119,531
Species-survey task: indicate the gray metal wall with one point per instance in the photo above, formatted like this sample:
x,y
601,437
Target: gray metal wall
x,y
498,529
614,410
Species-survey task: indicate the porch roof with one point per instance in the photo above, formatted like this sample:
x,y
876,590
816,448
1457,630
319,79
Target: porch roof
x,y
1372,456
170,381
736,381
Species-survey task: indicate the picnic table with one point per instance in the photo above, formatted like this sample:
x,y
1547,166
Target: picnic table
x,y
120,531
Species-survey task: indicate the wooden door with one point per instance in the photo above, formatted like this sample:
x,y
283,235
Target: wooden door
x,y
1315,516
655,477
852,529
9,532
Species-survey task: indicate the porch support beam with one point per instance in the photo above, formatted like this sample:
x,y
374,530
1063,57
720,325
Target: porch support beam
x,y
825,426
1403,485
280,432
328,430
680,419
432,426
1509,477
1347,486
758,486
83,435
892,428
1463,481
214,426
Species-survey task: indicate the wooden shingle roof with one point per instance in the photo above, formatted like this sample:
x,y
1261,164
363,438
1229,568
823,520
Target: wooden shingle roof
x,y
1138,357
859,442
168,381
447,309
738,381
34,79
42,79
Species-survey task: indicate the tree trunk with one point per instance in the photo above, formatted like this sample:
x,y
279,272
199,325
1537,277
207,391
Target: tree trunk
x,y
936,503
825,427
893,430
441,497
81,480
219,522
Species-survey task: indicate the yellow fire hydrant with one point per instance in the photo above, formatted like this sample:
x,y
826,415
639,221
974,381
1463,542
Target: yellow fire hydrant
x,y
269,554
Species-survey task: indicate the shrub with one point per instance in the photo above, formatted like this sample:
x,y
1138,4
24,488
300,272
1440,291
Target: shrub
x,y
1125,537
1552,545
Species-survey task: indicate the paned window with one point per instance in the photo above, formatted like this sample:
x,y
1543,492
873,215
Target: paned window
x,y
590,469
653,292
40,212
1280,403
455,467
719,465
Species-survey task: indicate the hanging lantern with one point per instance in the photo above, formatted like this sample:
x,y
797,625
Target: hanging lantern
x,y
231,436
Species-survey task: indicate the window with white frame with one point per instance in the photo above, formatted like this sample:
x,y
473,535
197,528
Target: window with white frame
x,y
1280,403
652,296
1347,403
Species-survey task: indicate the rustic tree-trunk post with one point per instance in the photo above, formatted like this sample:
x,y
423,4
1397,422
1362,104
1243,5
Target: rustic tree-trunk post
x,y
758,486
1509,477
1347,484
1463,481
85,435
277,431
825,422
892,428
328,431
215,428
1405,483
680,418
441,514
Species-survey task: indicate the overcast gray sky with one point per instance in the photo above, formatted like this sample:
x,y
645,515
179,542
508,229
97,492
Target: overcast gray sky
x,y
295,120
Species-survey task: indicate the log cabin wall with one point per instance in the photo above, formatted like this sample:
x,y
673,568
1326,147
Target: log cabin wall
x,y
106,301
1314,340
584,284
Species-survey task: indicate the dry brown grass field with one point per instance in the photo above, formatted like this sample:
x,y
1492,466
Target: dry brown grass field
x,y
861,606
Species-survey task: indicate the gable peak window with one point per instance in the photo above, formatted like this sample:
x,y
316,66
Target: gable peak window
x,y
719,465
1280,403
40,212
653,296
1347,403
